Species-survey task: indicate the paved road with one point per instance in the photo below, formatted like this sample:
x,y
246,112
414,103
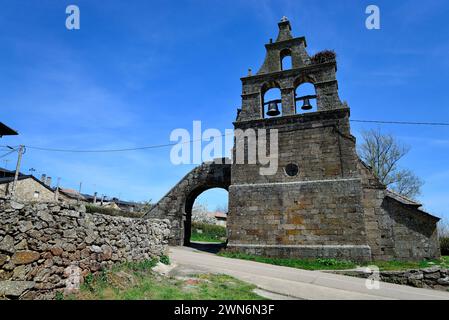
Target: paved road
x,y
297,283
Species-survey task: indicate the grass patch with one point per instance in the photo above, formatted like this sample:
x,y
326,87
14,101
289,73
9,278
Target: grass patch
x,y
445,260
335,264
136,281
204,238
307,264
207,232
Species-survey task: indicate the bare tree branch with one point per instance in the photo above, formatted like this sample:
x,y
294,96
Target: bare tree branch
x,y
383,153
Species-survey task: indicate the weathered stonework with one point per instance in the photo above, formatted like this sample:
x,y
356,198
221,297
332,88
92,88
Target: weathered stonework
x,y
333,206
29,189
431,278
41,243
177,204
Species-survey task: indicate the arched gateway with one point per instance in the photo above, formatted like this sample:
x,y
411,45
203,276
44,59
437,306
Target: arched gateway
x,y
177,204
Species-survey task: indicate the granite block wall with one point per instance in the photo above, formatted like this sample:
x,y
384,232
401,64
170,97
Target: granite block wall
x,y
43,244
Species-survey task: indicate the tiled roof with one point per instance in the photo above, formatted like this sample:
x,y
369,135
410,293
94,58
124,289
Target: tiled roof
x,y
398,197
408,202
6,131
24,177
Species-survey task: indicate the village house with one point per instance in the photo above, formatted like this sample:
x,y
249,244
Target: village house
x,y
28,187
218,217
71,195
6,131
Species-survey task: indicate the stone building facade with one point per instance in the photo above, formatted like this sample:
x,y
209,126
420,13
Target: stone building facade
x,y
28,188
322,201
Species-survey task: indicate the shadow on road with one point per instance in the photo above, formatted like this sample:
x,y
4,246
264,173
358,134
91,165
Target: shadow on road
x,y
207,246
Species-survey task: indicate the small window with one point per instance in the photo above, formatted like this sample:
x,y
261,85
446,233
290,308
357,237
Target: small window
x,y
36,195
291,170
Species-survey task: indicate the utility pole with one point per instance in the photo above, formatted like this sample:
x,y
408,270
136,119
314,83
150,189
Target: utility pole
x,y
57,190
94,201
16,175
79,193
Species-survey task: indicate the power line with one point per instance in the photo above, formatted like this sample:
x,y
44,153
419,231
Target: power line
x,y
404,122
190,141
104,150
122,149
7,154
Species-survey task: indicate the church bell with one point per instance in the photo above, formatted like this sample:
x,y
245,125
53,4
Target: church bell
x,y
306,105
273,109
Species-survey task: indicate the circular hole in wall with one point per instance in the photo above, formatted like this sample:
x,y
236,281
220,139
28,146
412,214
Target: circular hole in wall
x,y
291,169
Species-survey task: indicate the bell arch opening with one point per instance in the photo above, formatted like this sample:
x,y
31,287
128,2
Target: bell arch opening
x,y
205,217
286,59
306,99
272,102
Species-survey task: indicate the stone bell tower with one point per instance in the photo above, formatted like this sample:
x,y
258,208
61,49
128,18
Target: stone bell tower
x,y
317,198
312,205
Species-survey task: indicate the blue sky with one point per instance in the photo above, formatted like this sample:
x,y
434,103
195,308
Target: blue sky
x,y
136,70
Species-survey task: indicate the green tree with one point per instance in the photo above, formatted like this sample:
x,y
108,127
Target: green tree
x,y
382,153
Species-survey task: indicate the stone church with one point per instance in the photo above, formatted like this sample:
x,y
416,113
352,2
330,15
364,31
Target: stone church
x,y
323,201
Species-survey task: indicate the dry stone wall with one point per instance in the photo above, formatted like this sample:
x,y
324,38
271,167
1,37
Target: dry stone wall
x,y
50,247
435,277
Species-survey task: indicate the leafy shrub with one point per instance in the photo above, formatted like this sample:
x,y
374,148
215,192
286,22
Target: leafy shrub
x,y
444,245
332,262
165,259
59,296
88,282
144,265
327,262
208,231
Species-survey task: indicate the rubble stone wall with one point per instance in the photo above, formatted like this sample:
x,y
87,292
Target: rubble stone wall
x,y
49,247
434,277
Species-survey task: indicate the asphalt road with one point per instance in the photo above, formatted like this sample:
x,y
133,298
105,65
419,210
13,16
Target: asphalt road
x,y
297,283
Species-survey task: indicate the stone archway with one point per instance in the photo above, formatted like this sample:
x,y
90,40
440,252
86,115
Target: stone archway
x,y
176,205
188,210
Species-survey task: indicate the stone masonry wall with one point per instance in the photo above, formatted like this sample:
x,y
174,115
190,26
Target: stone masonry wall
x,y
25,190
316,213
431,278
414,234
396,230
43,245
304,220
176,205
